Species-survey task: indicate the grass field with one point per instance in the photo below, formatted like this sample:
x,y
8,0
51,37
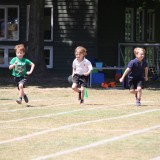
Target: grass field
x,y
54,126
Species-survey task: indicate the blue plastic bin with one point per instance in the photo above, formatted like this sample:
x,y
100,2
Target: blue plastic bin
x,y
97,78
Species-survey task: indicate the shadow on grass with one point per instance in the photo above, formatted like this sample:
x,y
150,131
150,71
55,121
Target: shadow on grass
x,y
61,81
47,81
6,99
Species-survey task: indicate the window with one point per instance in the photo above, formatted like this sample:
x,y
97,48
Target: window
x,y
48,21
9,23
129,24
142,22
140,25
8,52
48,53
150,25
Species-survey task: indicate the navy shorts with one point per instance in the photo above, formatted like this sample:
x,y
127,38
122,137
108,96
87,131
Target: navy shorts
x,y
133,84
80,80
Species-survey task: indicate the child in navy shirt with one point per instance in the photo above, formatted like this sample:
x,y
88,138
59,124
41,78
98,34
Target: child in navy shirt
x,y
137,71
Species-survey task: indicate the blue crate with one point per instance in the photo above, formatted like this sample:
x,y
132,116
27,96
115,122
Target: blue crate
x,y
97,78
99,64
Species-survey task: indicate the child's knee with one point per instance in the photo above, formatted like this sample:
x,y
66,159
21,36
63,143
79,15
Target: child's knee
x,y
20,85
139,89
74,86
132,91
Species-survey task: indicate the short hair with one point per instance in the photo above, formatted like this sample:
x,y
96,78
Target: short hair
x,y
137,49
20,47
82,50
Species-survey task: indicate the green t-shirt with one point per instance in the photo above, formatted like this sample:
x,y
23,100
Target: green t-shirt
x,y
20,67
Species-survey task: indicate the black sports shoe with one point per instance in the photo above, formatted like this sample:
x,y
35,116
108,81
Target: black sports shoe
x,y
19,100
79,95
25,98
81,101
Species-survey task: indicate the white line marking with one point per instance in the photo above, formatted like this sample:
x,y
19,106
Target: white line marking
x,y
92,145
157,158
43,116
57,114
63,104
73,125
33,108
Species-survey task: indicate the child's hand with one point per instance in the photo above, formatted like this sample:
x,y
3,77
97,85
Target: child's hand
x,y
15,62
29,72
121,80
86,74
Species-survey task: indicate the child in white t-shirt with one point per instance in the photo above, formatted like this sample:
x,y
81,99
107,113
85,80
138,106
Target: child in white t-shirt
x,y
81,70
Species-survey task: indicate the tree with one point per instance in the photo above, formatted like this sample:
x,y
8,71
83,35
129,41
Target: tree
x,y
36,35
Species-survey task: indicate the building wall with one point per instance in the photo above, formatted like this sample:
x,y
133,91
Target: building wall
x,y
74,24
91,23
110,30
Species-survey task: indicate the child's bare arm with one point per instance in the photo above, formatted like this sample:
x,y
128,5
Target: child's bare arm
x,y
12,65
124,74
31,69
146,74
73,72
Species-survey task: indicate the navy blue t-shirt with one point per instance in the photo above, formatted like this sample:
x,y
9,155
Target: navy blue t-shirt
x,y
137,69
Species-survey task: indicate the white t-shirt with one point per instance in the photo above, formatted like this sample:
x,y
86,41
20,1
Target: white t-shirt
x,y
82,67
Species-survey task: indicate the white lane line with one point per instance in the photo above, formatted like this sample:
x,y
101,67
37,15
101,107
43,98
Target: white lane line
x,y
73,125
36,100
156,158
64,104
43,116
60,113
92,145
35,108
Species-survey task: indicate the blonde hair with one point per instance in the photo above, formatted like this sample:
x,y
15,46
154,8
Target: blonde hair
x,y
20,47
82,50
136,50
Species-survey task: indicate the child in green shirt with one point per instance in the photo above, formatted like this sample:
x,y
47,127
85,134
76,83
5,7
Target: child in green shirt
x,y
19,71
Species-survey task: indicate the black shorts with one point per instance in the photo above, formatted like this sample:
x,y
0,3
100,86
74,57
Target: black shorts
x,y
133,84
20,80
80,80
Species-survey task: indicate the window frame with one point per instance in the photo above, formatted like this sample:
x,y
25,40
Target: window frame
x,y
50,48
5,7
150,25
140,13
131,10
6,55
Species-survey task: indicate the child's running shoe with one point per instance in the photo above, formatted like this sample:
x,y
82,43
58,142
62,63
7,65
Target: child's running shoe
x,y
25,98
19,100
79,95
81,101
138,103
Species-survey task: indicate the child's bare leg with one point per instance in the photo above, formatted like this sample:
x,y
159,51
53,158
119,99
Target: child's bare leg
x,y
21,93
139,92
133,91
21,90
75,88
82,92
